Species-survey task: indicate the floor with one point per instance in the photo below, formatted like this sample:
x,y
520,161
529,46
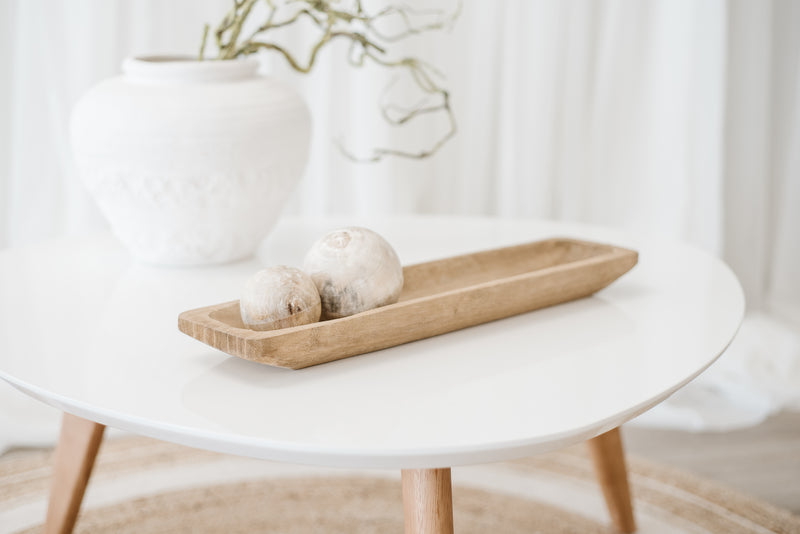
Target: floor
x,y
763,461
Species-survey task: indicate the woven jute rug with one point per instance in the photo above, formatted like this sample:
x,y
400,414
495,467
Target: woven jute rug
x,y
141,486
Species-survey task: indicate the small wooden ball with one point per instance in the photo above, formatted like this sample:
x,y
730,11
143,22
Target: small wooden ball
x,y
279,297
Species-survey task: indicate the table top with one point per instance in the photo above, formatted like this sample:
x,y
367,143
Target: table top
x,y
87,330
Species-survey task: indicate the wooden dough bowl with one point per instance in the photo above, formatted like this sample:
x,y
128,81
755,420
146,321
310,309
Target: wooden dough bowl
x,y
438,296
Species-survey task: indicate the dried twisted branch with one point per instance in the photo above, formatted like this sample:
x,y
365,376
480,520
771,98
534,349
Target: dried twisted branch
x,y
341,20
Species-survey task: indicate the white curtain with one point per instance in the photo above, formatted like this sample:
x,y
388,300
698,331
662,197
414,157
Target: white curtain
x,y
674,118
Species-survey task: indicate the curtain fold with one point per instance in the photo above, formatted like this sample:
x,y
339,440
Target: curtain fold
x,y
783,277
672,118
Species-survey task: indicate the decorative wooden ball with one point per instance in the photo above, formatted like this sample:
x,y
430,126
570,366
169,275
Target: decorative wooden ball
x,y
279,297
355,270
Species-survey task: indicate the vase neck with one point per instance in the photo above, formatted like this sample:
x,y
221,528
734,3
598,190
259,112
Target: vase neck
x,y
183,69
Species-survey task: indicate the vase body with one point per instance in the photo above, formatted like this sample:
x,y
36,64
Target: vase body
x,y
191,162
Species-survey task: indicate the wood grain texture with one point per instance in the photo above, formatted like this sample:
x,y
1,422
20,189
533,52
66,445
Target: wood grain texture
x,y
427,501
438,297
75,454
608,458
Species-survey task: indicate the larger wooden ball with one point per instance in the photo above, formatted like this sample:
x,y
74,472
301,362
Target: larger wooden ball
x,y
355,270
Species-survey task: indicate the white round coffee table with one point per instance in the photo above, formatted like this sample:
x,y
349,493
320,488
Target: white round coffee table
x,y
86,330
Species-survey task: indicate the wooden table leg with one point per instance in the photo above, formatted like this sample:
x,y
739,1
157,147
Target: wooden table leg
x,y
427,501
609,464
77,448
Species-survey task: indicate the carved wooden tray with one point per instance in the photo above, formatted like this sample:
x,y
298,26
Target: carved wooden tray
x,y
438,297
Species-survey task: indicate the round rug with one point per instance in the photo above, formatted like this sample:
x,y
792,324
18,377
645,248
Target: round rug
x,y
142,485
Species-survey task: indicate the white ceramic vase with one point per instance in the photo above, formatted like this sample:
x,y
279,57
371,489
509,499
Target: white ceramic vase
x,y
191,162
